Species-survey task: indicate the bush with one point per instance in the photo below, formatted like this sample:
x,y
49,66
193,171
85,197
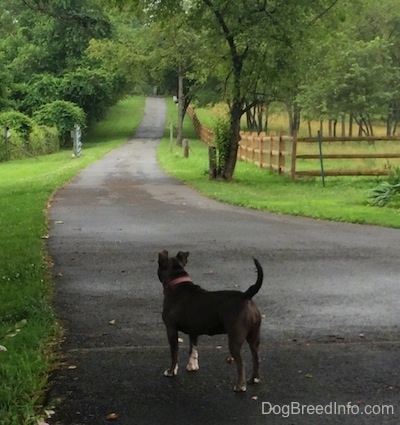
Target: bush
x,y
222,138
18,123
44,140
62,115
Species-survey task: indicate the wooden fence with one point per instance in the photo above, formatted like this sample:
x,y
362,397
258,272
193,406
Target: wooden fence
x,y
300,157
287,155
275,153
205,133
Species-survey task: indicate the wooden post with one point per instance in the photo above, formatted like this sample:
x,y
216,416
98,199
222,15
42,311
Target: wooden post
x,y
271,156
185,144
293,159
6,136
281,154
262,149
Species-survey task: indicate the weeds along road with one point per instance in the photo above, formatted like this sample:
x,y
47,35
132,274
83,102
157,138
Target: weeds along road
x,y
330,335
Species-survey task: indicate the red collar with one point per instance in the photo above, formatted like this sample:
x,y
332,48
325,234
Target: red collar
x,y
178,281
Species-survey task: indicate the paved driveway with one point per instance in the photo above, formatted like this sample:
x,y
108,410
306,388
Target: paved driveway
x,y
330,336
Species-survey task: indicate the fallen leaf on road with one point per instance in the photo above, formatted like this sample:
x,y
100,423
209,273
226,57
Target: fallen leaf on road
x,y
59,222
112,322
112,417
308,375
72,367
255,397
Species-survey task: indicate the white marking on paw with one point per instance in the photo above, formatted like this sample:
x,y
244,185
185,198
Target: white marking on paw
x,y
240,388
170,373
193,363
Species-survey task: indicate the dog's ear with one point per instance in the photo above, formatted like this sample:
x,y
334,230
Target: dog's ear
x,y
183,257
162,257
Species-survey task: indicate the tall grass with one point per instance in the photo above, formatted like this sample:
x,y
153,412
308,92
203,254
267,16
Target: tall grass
x,y
28,326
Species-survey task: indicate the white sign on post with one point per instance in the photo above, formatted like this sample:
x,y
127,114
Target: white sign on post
x,y
76,136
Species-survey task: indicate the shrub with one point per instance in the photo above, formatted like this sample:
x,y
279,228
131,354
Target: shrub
x,y
44,140
17,122
222,137
62,115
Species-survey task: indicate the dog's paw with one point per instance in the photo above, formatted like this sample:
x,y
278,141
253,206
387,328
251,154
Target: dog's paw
x,y
171,372
192,367
193,363
253,381
240,388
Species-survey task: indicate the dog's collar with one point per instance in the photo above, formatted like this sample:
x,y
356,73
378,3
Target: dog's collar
x,y
177,281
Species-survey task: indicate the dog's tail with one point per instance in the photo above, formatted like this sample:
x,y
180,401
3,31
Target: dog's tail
x,y
256,287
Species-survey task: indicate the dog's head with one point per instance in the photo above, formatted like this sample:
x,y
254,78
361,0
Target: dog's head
x,y
170,268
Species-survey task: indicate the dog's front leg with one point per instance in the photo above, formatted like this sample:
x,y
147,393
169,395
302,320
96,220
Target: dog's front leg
x,y
193,363
173,344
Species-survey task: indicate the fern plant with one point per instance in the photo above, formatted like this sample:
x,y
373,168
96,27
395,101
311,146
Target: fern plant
x,y
387,193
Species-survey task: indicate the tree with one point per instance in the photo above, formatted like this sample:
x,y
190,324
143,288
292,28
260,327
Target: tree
x,y
354,71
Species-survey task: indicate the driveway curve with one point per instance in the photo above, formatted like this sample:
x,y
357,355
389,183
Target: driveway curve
x,y
330,335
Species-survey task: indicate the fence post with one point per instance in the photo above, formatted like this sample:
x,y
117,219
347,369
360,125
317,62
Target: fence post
x,y
281,154
321,158
77,141
271,156
185,144
6,135
293,157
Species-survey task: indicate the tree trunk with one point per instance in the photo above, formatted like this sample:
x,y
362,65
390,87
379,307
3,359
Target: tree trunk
x,y
181,106
343,125
351,125
236,112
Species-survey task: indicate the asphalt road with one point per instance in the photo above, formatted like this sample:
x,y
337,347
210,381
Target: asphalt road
x,y
330,337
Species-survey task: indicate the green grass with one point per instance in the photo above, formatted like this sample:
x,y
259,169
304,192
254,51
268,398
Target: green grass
x,y
28,327
343,199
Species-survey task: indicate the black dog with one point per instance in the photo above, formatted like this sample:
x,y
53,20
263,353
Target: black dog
x,y
194,311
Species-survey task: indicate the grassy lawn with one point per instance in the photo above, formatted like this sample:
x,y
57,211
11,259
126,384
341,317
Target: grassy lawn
x,y
28,328
343,198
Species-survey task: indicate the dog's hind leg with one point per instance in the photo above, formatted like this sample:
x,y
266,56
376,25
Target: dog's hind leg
x,y
253,339
235,348
193,363
173,344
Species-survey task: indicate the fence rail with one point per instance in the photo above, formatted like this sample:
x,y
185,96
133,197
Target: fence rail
x,y
205,133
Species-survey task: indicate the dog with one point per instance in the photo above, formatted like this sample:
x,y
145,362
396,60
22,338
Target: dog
x,y
194,311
